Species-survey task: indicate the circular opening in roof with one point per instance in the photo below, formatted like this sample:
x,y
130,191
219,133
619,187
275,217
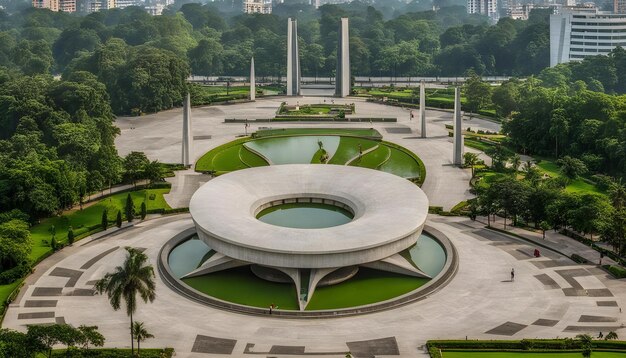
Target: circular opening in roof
x,y
305,213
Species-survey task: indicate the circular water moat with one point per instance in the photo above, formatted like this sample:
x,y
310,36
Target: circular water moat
x,y
243,287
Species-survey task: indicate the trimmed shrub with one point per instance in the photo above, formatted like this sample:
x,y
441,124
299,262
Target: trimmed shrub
x,y
617,271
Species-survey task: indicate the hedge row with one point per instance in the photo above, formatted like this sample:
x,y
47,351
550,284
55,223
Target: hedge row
x,y
523,345
113,353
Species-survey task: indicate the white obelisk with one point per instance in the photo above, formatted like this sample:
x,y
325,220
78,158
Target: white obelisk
x,y
342,77
423,107
187,132
458,130
252,81
293,59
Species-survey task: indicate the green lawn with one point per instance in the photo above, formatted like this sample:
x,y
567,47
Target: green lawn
x,y
466,354
373,159
576,186
368,286
389,157
83,221
349,148
241,286
310,110
6,290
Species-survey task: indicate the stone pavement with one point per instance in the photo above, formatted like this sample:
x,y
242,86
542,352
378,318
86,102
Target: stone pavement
x,y
554,241
159,135
551,296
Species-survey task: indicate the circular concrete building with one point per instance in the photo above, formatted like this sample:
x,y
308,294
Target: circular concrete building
x,y
324,221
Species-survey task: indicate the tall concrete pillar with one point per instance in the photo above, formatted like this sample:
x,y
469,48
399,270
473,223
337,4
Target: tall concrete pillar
x,y
423,107
252,81
187,132
293,59
458,129
342,77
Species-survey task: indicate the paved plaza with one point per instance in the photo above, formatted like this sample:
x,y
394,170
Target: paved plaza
x,y
160,137
551,296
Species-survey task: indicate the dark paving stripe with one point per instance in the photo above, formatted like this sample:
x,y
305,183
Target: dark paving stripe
x,y
519,254
606,303
591,328
40,303
374,347
507,329
91,283
491,235
398,130
73,275
213,345
551,263
588,318
83,292
572,292
97,258
35,315
545,322
599,292
201,137
570,274
547,281
59,320
47,291
287,350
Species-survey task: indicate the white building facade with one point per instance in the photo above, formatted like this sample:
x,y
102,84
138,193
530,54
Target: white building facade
x,y
257,6
579,33
484,7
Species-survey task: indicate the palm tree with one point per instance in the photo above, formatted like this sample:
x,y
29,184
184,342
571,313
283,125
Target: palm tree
x,y
585,344
133,278
140,333
516,161
470,160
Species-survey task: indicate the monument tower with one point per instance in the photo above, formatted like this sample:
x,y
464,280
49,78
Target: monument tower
x,y
293,59
458,130
187,133
342,77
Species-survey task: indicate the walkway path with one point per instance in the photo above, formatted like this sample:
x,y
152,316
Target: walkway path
x,y
551,296
554,240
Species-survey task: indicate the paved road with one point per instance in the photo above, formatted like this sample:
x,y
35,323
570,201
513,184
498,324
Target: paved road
x,y
551,296
159,136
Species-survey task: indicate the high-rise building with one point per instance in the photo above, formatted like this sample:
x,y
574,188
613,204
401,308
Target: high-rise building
x,y
56,5
576,33
46,4
619,6
120,4
97,5
257,6
484,7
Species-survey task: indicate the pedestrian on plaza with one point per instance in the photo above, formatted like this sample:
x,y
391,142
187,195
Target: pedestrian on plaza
x,y
512,274
601,257
271,308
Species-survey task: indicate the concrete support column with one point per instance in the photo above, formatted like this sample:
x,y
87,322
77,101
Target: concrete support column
x,y
187,150
252,81
293,59
423,108
342,77
458,129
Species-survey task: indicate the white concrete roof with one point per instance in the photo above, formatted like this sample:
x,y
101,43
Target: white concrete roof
x,y
389,211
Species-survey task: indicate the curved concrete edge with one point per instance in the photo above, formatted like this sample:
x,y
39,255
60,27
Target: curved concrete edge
x,y
438,282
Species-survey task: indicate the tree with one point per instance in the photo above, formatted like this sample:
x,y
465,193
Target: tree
x,y
516,162
144,210
70,236
152,171
477,92
586,344
134,166
470,160
499,155
544,226
559,128
134,278
90,336
15,245
118,219
129,208
141,334
611,336
572,167
104,221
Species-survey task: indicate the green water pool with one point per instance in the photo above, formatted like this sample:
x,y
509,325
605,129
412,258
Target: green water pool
x,y
305,215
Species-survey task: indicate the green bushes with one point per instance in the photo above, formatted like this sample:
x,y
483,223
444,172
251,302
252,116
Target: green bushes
x,y
617,271
114,353
579,259
539,345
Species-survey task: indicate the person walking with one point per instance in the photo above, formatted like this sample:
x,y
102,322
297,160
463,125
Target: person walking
x,y
512,274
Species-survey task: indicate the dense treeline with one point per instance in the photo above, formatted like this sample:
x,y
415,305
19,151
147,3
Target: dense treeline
x,y
446,42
